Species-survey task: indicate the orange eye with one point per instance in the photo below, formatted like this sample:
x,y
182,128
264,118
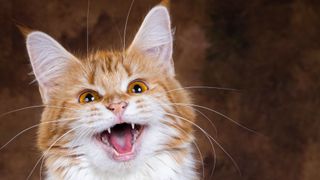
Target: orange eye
x,y
136,87
88,96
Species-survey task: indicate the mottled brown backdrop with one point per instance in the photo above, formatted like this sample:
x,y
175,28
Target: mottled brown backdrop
x,y
267,49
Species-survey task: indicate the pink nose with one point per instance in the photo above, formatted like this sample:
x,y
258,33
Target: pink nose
x,y
117,108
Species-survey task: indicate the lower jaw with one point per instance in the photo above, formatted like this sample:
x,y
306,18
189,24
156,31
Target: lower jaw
x,y
124,157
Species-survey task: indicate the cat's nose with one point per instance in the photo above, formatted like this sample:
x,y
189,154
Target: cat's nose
x,y
117,108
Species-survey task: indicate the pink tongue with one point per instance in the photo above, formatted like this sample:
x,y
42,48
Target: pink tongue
x,y
121,141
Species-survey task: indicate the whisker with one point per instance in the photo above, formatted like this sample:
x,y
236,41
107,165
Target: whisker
x,y
40,170
210,121
199,87
46,152
217,112
216,130
212,147
81,134
71,155
125,26
197,110
214,140
197,147
160,160
88,12
214,160
149,166
205,87
118,30
34,126
36,106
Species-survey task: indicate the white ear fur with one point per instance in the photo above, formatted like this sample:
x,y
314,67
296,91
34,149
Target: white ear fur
x,y
154,37
48,59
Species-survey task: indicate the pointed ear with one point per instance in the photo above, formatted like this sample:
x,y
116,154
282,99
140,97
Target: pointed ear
x,y
154,37
49,61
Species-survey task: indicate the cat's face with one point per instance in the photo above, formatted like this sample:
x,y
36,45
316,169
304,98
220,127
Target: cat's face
x,y
111,110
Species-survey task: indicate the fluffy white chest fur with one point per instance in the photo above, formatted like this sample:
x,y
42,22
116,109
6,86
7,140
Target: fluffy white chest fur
x,y
160,167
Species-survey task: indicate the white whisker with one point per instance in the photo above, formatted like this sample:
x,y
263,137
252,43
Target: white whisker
x,y
87,38
47,151
125,26
197,147
217,112
197,110
210,121
199,87
214,140
204,87
31,127
36,106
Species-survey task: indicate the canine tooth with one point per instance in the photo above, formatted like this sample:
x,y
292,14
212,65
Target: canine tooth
x,y
132,125
104,139
134,137
109,130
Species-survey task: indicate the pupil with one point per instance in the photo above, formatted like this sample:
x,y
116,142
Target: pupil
x,y
137,89
89,98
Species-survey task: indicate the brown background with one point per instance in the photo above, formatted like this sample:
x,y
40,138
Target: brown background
x,y
268,49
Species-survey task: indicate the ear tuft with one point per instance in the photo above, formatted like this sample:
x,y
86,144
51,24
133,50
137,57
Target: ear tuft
x,y
165,3
24,29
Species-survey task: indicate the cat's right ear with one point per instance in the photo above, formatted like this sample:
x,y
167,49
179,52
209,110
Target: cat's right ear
x,y
49,61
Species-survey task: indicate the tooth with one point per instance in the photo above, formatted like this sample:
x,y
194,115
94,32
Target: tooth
x,y
104,139
132,125
135,137
109,130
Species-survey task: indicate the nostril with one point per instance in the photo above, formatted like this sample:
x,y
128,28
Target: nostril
x,y
111,107
124,105
117,107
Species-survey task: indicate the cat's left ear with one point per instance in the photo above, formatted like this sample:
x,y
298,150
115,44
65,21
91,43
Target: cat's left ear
x,y
154,38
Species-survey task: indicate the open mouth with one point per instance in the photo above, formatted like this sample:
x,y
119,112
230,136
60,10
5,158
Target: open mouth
x,y
122,138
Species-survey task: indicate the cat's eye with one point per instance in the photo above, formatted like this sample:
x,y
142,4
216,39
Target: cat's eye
x,y
136,87
88,96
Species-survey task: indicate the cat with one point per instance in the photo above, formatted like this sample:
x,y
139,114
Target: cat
x,y
113,114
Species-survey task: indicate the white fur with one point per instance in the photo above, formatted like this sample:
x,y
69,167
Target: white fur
x,y
96,165
163,166
153,160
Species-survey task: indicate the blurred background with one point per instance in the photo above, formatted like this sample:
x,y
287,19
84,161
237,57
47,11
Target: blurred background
x,y
267,49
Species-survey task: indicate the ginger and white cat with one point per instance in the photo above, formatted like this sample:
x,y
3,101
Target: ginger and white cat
x,y
112,115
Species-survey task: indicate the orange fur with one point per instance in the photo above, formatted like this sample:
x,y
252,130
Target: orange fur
x,y
103,64
105,72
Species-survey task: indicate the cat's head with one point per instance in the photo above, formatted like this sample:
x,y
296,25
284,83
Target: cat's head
x,y
112,110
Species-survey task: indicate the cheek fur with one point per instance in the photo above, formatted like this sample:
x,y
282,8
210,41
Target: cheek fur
x,y
165,133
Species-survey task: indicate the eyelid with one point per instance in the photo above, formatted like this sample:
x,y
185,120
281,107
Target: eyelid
x,y
85,90
93,92
139,81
